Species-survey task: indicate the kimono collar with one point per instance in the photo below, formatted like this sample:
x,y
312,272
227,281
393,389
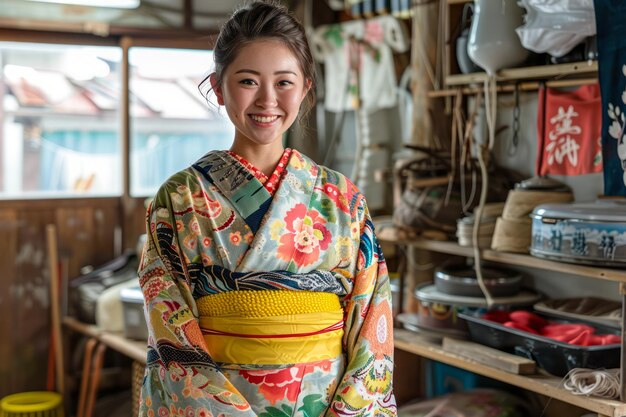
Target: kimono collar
x,y
247,194
237,184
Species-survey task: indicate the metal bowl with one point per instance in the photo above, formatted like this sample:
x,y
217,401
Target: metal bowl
x,y
460,279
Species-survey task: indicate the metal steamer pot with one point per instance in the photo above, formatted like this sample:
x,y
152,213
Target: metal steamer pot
x,y
582,233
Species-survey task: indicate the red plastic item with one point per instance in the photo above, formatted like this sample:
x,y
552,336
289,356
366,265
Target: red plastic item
x,y
572,333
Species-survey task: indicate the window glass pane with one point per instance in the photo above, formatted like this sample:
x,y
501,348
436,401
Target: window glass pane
x,y
59,119
172,125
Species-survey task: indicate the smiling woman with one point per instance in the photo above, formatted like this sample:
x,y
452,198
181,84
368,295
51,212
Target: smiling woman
x,y
261,90
266,291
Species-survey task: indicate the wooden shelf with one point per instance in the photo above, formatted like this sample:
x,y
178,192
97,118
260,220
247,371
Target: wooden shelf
x,y
391,235
536,73
134,349
90,330
510,88
549,386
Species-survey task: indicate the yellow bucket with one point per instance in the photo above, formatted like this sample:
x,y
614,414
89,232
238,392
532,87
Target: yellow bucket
x,y
32,404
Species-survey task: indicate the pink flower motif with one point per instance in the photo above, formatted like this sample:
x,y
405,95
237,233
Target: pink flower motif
x,y
305,236
334,193
203,412
152,289
190,242
235,238
194,225
277,384
206,260
374,33
215,208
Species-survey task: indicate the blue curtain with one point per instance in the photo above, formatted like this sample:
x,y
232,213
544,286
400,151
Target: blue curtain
x,y
152,164
611,31
154,156
57,144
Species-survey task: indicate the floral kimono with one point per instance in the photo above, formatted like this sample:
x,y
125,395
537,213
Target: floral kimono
x,y
269,301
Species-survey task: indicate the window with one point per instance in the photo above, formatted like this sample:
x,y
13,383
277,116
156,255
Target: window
x,y
59,121
172,125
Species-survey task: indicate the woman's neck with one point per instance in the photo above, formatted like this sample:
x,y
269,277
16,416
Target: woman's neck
x,y
264,158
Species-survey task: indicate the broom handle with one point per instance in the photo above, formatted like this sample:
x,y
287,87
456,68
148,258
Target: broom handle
x,y
53,259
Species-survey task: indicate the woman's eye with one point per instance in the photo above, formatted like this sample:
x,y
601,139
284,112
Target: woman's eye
x,y
285,83
247,81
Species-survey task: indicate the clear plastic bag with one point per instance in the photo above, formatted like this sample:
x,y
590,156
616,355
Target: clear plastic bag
x,y
556,26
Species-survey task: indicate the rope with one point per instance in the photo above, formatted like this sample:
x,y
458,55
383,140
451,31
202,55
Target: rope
x,y
482,150
602,383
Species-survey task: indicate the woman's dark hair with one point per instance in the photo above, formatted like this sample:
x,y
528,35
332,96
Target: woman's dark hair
x,y
264,20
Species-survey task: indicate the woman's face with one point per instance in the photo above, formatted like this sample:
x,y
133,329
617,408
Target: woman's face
x,y
262,90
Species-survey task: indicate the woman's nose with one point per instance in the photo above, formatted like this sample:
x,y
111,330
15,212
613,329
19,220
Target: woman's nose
x,y
266,97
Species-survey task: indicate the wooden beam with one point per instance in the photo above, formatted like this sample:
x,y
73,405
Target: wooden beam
x,y
492,357
509,88
188,14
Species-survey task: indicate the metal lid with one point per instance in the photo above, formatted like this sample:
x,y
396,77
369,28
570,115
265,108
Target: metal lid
x,y
467,273
600,211
542,184
428,292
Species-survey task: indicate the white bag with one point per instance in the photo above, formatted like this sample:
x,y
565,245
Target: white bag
x,y
556,26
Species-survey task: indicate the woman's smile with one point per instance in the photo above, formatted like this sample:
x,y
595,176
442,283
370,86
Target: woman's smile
x,y
262,90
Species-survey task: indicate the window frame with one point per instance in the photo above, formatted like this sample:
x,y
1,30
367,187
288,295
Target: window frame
x,y
148,39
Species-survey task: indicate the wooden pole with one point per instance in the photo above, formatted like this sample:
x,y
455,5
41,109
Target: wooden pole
x,y
53,260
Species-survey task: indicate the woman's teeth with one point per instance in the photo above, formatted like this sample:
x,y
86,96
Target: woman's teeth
x,y
264,119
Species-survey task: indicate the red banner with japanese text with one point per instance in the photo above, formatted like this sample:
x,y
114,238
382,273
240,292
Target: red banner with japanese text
x,y
569,127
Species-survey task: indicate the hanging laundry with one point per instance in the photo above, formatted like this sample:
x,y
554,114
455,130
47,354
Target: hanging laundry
x,y
569,131
612,75
358,62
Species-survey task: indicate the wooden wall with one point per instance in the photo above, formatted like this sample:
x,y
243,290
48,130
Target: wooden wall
x,y
90,232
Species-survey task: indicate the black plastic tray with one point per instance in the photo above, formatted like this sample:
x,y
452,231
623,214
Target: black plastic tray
x,y
555,357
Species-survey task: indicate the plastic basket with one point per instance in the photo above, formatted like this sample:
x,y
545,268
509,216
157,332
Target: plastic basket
x,y
32,404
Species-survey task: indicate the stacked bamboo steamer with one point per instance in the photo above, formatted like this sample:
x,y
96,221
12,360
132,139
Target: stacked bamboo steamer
x,y
513,229
465,226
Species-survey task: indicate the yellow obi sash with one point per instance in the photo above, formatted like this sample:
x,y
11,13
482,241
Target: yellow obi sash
x,y
271,327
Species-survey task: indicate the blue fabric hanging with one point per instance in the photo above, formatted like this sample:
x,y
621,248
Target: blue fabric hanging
x,y
611,27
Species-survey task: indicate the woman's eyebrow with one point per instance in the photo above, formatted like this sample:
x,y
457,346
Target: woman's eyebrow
x,y
250,71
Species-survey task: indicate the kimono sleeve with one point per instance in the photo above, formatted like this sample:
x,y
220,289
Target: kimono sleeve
x,y
180,378
366,386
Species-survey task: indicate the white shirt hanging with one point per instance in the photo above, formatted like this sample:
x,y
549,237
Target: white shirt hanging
x,y
358,62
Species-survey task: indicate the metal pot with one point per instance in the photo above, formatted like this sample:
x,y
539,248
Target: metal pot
x,y
438,312
460,279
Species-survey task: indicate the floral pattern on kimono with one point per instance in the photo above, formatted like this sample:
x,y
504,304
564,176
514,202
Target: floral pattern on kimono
x,y
214,228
